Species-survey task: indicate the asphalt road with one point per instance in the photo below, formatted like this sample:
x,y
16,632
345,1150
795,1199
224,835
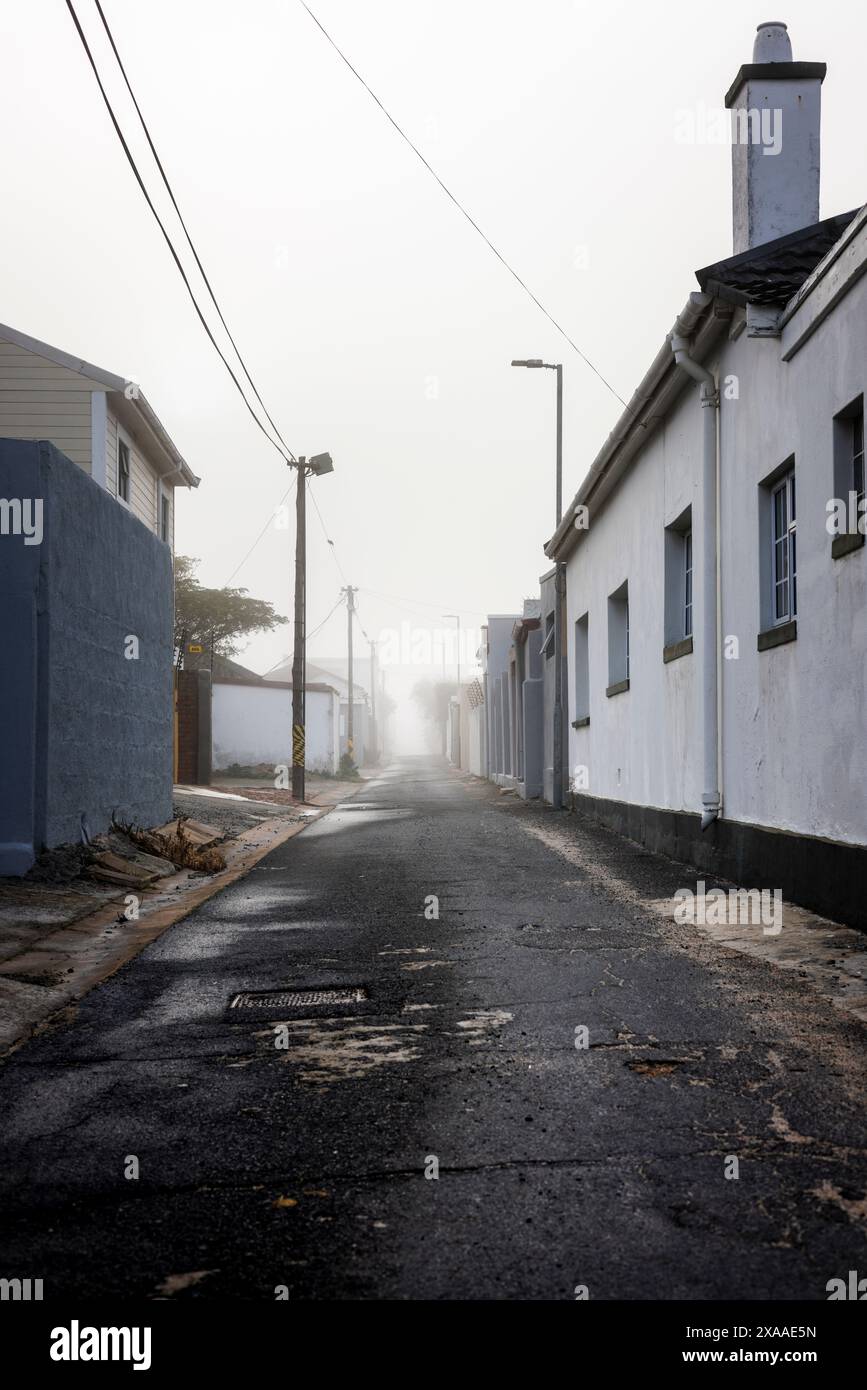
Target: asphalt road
x,y
303,1167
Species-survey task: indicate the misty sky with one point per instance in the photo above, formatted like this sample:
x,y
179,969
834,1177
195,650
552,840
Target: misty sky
x,y
375,321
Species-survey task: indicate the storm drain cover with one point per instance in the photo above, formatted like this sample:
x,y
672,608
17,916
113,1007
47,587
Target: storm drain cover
x,y
296,998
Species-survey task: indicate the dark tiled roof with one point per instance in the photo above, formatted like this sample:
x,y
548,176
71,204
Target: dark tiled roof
x,y
224,668
770,274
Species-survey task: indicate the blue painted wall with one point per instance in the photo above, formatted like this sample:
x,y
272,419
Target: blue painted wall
x,y
85,726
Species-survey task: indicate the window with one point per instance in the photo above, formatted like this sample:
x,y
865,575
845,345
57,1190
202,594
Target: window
x,y
582,669
123,470
784,567
618,640
849,479
165,518
687,584
778,558
548,644
678,587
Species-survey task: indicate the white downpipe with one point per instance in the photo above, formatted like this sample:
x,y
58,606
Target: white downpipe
x,y
709,606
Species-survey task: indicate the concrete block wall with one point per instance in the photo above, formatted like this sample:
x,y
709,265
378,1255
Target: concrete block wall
x,y
86,642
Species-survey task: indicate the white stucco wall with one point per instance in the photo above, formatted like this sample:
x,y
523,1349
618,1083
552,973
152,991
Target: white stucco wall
x,y
794,718
252,724
496,665
641,745
794,723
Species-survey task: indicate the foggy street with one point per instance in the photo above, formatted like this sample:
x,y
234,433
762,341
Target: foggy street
x,y
444,1134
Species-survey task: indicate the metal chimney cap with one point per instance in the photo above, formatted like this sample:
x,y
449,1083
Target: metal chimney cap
x,y
772,43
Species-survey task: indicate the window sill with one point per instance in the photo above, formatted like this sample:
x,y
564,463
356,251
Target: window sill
x,y
845,545
617,688
777,636
582,722
675,650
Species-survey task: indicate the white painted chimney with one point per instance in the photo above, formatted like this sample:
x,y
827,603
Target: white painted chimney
x,y
775,106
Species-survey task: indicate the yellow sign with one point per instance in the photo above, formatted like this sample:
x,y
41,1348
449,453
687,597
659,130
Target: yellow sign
x,y
195,647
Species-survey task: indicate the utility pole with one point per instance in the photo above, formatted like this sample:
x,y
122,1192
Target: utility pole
x,y
318,464
298,769
350,593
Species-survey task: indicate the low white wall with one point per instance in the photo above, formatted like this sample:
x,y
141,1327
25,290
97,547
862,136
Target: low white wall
x,y
252,724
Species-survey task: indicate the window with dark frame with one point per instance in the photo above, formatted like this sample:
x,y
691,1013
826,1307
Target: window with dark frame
x,y
847,532
687,584
123,470
627,634
165,529
548,645
784,567
582,668
618,639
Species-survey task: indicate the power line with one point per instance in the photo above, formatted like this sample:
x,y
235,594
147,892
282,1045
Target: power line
x,y
416,151
421,603
312,497
360,624
289,458
283,500
321,625
316,629
184,225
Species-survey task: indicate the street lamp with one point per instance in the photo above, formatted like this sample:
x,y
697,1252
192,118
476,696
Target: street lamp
x,y
559,588
316,466
558,368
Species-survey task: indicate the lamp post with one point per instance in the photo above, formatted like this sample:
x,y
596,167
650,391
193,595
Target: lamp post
x,y
317,465
559,589
558,368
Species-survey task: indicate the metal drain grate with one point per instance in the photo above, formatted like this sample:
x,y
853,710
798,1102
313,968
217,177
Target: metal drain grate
x,y
296,998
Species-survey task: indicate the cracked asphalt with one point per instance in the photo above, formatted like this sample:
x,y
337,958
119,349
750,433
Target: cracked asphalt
x,y
294,1158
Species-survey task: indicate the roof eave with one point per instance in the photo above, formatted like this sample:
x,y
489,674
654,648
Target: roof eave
x,y
109,381
661,386
139,404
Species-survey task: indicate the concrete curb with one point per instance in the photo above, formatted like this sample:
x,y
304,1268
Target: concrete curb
x,y
93,948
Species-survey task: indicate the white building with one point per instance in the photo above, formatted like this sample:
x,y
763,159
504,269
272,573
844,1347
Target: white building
x,y
101,421
251,724
333,671
717,633
494,657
